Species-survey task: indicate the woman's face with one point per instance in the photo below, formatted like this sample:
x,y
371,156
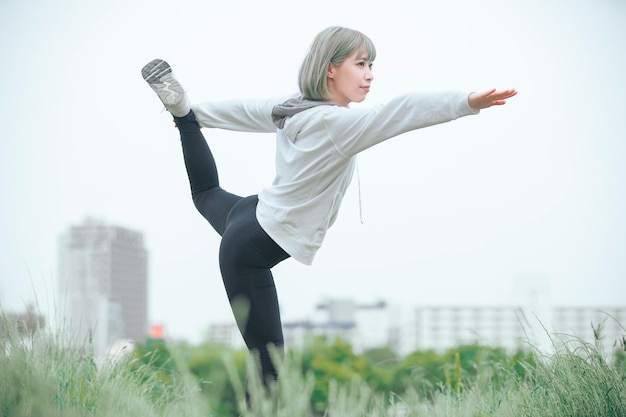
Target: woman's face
x,y
350,81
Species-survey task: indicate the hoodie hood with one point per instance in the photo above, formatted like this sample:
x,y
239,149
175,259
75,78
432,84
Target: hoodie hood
x,y
281,112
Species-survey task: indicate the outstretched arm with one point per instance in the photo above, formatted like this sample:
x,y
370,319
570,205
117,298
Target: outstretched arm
x,y
489,98
249,115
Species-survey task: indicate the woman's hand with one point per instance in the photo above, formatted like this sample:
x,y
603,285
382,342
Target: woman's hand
x,y
489,98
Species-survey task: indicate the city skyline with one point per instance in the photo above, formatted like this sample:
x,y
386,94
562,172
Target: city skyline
x,y
104,281
435,327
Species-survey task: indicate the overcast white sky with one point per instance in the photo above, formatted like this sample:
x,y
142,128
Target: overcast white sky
x,y
476,211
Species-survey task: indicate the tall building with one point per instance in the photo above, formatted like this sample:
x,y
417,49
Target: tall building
x,y
103,277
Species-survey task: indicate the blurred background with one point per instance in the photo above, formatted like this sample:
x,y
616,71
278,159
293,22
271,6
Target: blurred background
x,y
523,202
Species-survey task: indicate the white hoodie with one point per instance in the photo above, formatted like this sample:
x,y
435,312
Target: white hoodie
x,y
315,155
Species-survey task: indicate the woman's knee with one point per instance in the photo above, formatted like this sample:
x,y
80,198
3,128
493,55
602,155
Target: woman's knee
x,y
215,205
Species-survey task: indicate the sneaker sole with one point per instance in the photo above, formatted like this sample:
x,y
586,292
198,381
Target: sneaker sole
x,y
154,70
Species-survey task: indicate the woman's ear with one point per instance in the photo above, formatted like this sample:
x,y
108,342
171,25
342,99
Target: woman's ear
x,y
331,71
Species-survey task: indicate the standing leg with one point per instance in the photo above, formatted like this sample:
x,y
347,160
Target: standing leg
x,y
247,255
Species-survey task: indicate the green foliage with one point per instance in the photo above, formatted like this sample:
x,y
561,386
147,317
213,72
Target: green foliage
x,y
332,362
383,357
421,371
52,375
383,367
619,359
207,362
45,375
77,385
427,372
34,383
576,382
154,366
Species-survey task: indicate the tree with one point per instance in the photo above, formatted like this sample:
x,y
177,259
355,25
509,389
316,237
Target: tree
x,y
332,361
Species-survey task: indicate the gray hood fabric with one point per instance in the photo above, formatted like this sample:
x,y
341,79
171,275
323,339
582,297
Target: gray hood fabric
x,y
282,112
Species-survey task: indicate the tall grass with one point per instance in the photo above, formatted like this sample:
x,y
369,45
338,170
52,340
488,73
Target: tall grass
x,y
577,381
46,375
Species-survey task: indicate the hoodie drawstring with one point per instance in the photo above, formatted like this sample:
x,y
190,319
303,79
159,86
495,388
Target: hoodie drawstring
x,y
358,182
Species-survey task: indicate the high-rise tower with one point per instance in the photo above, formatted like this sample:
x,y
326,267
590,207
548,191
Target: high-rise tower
x,y
103,277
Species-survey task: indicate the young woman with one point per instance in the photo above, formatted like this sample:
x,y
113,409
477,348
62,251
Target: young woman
x,y
318,137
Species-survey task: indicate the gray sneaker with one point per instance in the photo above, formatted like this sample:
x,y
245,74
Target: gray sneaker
x,y
158,74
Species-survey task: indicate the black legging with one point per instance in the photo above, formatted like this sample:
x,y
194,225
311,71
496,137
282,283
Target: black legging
x,y
246,252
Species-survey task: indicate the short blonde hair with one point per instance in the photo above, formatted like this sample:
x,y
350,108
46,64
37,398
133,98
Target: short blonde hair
x,y
332,45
